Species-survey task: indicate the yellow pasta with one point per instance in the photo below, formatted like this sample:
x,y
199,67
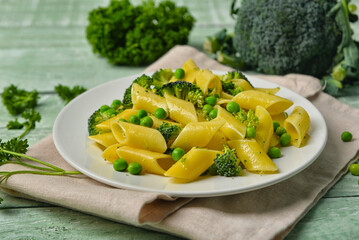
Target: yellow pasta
x,y
126,114
279,118
252,156
197,134
110,153
297,125
104,139
151,162
244,84
191,69
181,110
233,128
272,103
138,136
192,164
206,80
264,130
143,98
217,142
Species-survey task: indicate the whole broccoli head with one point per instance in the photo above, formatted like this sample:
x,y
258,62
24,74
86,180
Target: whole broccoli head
x,y
184,90
280,36
135,35
169,131
226,164
144,81
227,84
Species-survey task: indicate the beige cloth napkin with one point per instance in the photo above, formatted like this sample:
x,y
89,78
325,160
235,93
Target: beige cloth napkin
x,y
268,213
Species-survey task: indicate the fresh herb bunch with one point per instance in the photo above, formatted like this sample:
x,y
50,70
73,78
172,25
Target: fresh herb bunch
x,y
13,152
66,93
17,100
136,35
30,116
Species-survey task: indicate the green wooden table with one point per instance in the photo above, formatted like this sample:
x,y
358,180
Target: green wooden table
x,y
42,44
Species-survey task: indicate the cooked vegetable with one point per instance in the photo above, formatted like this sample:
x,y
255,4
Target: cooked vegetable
x,y
346,136
135,35
134,168
160,113
226,164
120,164
161,77
146,121
184,90
169,131
227,84
354,169
177,153
274,152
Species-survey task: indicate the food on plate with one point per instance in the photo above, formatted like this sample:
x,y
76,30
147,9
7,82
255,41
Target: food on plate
x,y
196,123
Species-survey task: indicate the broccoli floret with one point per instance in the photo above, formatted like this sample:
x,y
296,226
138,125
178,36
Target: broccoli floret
x,y
96,118
135,35
279,37
228,86
102,114
160,78
226,164
184,90
169,131
248,118
144,81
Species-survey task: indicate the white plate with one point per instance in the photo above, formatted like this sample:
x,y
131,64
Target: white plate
x,y
70,137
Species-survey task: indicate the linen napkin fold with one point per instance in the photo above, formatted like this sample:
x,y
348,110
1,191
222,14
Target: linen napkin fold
x,y
266,213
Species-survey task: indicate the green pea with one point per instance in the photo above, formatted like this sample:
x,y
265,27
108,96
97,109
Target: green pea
x,y
285,139
146,121
207,108
134,119
116,103
251,132
179,73
274,152
160,113
352,7
232,107
134,168
275,125
122,120
347,136
104,108
354,169
280,130
211,100
141,113
177,153
120,164
213,114
111,112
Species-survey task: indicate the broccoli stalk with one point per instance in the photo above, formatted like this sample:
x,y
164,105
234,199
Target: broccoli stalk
x,y
184,90
226,164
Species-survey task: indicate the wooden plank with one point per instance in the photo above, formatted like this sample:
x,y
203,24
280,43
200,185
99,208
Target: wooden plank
x,y
60,223
331,218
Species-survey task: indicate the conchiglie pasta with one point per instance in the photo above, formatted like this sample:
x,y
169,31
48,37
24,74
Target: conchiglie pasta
x,y
192,164
297,125
138,136
151,162
272,103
